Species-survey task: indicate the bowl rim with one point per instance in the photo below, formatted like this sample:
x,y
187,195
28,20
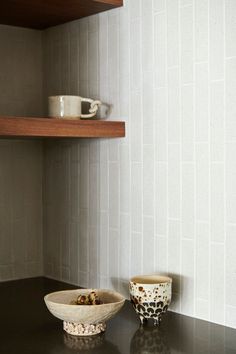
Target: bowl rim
x,y
161,279
47,300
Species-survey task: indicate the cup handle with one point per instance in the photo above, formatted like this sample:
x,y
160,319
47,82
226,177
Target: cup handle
x,y
93,107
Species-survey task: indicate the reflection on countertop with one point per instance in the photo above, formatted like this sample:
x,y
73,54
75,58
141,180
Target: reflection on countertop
x,y
149,339
97,343
26,327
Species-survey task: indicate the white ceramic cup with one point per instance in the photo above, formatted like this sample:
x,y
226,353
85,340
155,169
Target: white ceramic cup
x,y
71,107
150,296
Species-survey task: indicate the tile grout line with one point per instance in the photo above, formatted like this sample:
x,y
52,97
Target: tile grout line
x,y
225,158
180,147
194,150
209,165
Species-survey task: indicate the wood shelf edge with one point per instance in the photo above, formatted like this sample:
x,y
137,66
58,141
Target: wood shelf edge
x,y
59,128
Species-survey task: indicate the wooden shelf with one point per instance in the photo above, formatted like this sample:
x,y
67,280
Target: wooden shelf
x,y
59,128
41,14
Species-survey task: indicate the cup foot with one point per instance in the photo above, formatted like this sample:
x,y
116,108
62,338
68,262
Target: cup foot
x,y
80,329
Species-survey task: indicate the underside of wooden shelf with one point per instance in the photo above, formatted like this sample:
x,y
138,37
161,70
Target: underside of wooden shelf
x,y
59,128
41,14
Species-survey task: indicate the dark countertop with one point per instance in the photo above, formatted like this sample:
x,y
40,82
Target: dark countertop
x,y
27,327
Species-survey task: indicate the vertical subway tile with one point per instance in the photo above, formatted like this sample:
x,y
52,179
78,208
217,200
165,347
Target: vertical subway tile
x,y
134,9
114,257
83,44
147,35
103,49
34,234
217,203
230,91
201,30
65,246
93,251
148,107
136,261
64,59
124,98
83,241
202,260
161,198
125,180
19,237
172,8
84,177
175,302
74,188
186,2
148,245
201,102
93,55
230,28
202,182
159,5
136,127
187,277
202,309
174,247
93,194
148,180
124,42
173,106
136,197
114,191
124,60
125,246
74,250
217,120
135,54
161,124
217,283
186,44
113,64
83,279
103,150
230,271
103,250
230,176
113,150
161,265
187,123
174,181
103,186
19,251
216,36
160,50
188,200
93,151
5,236
93,23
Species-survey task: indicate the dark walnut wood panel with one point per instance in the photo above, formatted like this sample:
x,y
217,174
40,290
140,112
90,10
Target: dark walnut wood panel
x,y
41,14
60,128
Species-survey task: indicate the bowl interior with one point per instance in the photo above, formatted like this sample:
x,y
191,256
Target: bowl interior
x,y
151,279
67,296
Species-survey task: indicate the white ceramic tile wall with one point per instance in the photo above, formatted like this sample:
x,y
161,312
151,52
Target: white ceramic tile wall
x,y
20,161
163,199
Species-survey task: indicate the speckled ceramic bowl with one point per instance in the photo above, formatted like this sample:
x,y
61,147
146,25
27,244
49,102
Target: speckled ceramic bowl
x,y
84,320
150,296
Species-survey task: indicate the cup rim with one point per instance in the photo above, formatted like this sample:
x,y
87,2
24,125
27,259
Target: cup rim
x,y
58,96
150,279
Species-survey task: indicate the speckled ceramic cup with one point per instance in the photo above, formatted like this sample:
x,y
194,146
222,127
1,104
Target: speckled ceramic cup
x,y
150,296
